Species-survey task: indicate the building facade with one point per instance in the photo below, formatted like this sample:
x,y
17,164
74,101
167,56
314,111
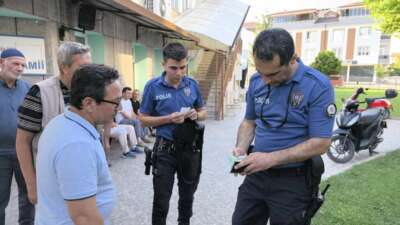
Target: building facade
x,y
125,34
349,31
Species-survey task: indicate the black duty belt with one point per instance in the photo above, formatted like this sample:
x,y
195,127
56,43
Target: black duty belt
x,y
296,171
164,145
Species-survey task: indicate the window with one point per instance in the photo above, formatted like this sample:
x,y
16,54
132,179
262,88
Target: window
x,y
185,5
338,35
384,50
310,54
385,37
364,31
338,52
311,36
363,51
175,4
355,12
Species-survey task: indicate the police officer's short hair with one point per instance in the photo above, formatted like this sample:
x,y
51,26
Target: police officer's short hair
x,y
91,81
275,41
125,89
175,51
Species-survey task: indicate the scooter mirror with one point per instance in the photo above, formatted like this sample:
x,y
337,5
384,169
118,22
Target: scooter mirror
x,y
390,93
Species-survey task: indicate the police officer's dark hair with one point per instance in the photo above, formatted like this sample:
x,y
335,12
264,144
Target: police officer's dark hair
x,y
125,89
271,42
90,81
175,51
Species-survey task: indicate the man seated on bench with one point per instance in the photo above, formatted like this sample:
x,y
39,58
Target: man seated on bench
x,y
126,115
126,136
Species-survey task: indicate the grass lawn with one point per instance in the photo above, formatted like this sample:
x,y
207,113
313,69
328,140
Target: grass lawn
x,y
347,92
368,194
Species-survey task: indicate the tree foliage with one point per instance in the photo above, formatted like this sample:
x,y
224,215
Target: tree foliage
x,y
264,22
327,63
387,12
394,68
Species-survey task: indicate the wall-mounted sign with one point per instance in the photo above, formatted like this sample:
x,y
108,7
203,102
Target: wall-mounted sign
x,y
32,48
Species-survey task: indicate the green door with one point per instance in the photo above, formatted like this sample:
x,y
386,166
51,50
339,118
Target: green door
x,y
140,53
157,59
96,44
191,68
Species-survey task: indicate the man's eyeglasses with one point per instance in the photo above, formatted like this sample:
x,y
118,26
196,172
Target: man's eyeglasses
x,y
111,102
177,67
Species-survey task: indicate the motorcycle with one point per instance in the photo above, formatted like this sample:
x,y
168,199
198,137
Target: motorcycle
x,y
377,102
359,129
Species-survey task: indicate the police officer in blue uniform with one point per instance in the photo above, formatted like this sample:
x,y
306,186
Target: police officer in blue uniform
x,y
289,115
167,101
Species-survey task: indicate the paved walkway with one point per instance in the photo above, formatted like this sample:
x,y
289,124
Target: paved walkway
x,y
216,195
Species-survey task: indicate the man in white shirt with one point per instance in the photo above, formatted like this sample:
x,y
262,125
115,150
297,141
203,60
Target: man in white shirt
x,y
126,115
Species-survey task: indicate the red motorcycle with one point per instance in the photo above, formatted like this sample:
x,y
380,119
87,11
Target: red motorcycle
x,y
377,102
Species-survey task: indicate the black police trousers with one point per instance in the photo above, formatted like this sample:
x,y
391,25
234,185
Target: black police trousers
x,y
166,165
271,196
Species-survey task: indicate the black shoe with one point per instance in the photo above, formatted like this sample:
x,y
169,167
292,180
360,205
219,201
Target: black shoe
x,y
128,155
136,150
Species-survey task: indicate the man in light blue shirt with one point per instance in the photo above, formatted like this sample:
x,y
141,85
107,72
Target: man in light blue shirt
x,y
74,183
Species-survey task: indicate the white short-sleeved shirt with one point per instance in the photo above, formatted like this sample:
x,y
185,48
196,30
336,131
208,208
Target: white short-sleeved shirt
x,y
126,106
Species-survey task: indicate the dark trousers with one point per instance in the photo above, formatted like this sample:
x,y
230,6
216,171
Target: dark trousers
x,y
264,196
8,166
166,165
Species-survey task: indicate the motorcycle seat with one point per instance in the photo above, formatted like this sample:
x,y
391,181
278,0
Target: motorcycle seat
x,y
370,100
370,115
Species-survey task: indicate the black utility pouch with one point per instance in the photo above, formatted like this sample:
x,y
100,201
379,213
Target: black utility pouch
x,y
188,142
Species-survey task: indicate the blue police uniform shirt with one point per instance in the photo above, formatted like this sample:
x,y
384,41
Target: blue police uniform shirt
x,y
307,100
161,99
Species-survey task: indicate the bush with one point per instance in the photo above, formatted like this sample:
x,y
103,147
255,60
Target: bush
x,y
381,71
327,63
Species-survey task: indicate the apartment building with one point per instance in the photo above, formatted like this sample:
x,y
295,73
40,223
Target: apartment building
x,y
349,31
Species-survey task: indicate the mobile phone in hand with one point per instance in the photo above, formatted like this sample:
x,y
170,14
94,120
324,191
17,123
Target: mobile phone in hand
x,y
240,170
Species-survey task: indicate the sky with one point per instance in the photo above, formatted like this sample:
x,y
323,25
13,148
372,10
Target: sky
x,y
259,7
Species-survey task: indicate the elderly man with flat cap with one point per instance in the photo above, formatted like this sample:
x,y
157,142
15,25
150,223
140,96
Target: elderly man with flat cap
x,y
12,93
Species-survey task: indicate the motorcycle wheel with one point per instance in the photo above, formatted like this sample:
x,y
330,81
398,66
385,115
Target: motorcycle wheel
x,y
386,114
341,149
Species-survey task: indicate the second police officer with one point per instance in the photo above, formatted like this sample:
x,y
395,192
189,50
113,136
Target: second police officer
x,y
289,114
169,101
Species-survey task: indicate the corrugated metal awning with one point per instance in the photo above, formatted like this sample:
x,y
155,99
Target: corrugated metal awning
x,y
216,23
148,19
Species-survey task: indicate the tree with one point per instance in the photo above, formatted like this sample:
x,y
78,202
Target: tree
x,y
264,22
381,71
327,63
387,14
394,68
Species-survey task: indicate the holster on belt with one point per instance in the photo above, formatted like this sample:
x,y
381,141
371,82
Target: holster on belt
x,y
188,142
314,170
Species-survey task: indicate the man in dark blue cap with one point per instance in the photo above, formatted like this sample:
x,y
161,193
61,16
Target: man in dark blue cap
x,y
12,93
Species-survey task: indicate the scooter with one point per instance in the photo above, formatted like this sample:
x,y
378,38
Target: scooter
x,y
358,129
376,102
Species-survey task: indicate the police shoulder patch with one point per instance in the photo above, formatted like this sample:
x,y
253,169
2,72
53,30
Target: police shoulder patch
x,y
331,110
